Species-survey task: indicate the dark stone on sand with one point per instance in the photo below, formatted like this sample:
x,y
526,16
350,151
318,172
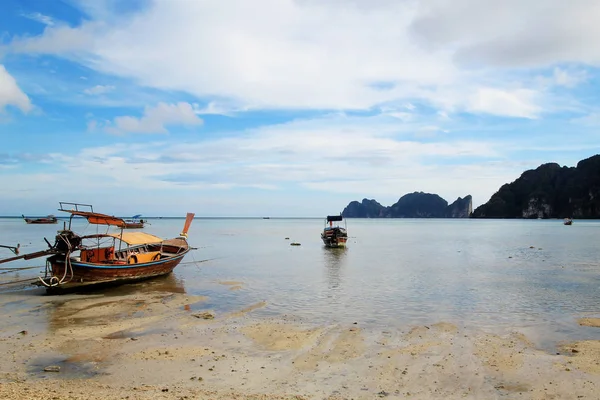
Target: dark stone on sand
x,y
204,315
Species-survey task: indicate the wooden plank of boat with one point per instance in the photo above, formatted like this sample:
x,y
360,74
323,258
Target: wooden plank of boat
x,y
145,256
89,274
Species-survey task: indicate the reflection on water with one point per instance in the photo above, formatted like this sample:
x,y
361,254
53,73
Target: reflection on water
x,y
334,263
109,305
536,276
169,284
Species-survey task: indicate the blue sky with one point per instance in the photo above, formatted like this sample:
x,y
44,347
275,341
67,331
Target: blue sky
x,y
288,107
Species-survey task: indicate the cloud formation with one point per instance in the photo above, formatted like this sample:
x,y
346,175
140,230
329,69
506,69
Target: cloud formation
x,y
11,94
335,54
99,89
39,17
372,156
512,33
154,120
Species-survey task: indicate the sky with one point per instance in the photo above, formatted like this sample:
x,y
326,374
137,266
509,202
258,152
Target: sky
x,y
288,107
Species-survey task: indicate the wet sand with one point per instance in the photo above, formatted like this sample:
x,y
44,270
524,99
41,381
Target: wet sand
x,y
153,345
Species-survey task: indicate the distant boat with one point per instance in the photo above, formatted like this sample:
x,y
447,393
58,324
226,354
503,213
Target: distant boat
x,y
266,217
135,222
50,219
568,221
334,236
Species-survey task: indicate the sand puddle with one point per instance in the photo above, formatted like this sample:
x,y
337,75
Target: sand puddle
x,y
62,368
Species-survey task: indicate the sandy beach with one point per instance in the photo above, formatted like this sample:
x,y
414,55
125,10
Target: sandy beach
x,y
157,345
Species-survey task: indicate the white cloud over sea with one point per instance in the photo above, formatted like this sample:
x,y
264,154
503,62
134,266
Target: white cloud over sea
x,y
302,101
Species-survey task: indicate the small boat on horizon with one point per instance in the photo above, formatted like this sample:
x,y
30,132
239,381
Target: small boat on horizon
x,y
135,222
334,236
568,221
50,219
106,258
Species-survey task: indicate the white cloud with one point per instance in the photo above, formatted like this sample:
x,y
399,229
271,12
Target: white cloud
x,y
41,18
375,153
290,54
306,54
512,33
11,94
154,120
514,103
592,119
99,89
59,39
219,108
563,77
337,158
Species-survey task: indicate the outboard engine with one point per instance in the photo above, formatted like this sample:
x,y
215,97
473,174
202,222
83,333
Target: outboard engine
x,y
67,241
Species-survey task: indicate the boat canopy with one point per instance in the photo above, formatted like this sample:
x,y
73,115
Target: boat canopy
x,y
136,216
334,218
135,238
97,218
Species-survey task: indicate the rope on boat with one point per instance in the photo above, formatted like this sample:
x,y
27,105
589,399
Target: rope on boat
x,y
54,281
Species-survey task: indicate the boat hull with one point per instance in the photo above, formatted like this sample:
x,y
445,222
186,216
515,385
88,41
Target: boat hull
x,y
40,221
334,242
133,225
88,274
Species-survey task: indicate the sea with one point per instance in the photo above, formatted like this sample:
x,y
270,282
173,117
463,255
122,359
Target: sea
x,y
537,277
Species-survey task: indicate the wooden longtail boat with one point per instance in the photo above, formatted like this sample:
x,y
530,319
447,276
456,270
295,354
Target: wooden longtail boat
x,y
110,258
134,223
334,236
50,219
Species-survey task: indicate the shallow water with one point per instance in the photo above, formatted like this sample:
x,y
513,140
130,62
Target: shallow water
x,y
536,276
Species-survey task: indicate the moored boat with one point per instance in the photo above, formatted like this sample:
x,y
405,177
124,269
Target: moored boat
x,y
568,221
334,236
107,258
134,223
50,219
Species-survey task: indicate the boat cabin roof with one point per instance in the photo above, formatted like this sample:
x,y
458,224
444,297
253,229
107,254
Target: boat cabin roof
x,y
334,218
135,238
131,238
97,218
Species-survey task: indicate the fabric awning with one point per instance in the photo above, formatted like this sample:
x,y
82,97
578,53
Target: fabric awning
x,y
99,219
134,238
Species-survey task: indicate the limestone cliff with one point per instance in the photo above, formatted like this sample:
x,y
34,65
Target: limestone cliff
x,y
549,191
461,208
412,205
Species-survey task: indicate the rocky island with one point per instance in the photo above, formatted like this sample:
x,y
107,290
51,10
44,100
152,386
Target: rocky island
x,y
412,205
549,191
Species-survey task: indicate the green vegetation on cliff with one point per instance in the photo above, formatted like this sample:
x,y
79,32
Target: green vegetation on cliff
x,y
549,191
